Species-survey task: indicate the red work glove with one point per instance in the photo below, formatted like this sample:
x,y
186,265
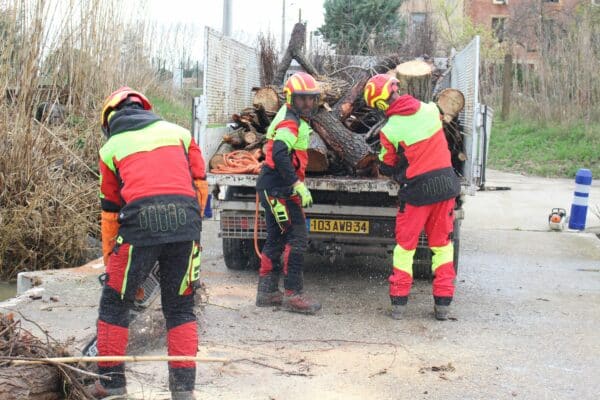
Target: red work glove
x,y
202,193
110,229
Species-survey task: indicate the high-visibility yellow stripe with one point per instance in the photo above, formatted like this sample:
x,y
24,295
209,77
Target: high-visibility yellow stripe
x,y
296,83
158,134
286,136
101,194
442,255
413,128
185,282
124,285
403,259
293,142
196,265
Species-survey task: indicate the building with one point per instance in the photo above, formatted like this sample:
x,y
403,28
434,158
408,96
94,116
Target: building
x,y
525,24
425,20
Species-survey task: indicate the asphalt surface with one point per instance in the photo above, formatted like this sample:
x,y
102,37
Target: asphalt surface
x,y
525,320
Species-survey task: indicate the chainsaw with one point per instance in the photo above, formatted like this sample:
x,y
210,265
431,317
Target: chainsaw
x,y
557,219
144,297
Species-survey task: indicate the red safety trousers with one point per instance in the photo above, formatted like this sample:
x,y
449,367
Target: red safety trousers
x,y
127,269
437,220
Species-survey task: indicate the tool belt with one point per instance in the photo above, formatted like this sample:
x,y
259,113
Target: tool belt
x,y
160,219
431,187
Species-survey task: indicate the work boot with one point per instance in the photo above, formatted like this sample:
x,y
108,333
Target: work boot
x,y
441,312
97,391
268,293
398,311
300,302
183,396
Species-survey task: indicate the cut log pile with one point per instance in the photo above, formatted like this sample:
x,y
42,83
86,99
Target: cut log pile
x,y
345,138
35,381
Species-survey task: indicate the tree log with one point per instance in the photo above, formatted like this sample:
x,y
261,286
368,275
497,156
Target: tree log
x,y
263,118
38,382
317,154
217,159
451,102
296,43
415,79
346,105
332,90
266,97
350,147
294,51
305,63
246,121
250,137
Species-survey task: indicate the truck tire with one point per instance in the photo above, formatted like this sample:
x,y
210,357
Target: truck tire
x,y
234,254
239,254
253,260
422,259
422,264
456,240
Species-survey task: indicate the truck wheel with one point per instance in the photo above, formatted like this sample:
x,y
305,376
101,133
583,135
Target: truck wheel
x,y
456,239
239,254
422,259
422,264
253,260
456,252
234,254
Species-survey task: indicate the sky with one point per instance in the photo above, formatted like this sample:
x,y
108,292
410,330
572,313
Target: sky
x,y
248,18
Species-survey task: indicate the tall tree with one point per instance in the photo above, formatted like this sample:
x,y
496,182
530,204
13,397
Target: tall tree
x,y
362,27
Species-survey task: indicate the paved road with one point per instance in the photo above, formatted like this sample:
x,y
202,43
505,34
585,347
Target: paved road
x,y
526,319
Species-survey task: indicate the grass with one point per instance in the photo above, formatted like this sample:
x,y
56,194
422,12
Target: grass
x,y
173,110
544,149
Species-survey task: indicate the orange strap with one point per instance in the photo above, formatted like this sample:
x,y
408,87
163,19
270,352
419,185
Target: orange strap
x,y
110,229
239,162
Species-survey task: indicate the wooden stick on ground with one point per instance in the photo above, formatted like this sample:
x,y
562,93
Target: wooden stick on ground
x,y
71,360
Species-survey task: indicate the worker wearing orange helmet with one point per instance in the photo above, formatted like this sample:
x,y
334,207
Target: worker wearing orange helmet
x,y
283,195
414,152
153,191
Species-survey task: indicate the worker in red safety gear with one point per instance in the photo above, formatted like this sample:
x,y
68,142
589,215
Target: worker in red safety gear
x,y
283,194
414,152
153,191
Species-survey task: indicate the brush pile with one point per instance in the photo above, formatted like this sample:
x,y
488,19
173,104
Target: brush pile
x,y
34,381
345,141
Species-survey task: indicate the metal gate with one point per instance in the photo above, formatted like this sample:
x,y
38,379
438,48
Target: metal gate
x,y
475,118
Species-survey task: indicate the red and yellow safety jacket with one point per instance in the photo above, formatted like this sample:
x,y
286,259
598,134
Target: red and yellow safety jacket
x,y
414,151
286,155
147,168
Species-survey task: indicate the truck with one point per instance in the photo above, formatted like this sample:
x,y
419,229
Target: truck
x,y
351,216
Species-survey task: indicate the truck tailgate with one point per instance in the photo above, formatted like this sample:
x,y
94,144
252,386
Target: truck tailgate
x,y
326,183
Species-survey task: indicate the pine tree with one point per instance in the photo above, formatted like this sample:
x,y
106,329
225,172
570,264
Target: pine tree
x,y
359,27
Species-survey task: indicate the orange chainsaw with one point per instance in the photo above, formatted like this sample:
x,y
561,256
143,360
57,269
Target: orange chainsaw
x,y
557,219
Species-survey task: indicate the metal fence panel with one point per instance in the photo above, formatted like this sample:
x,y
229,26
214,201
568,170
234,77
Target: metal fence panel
x,y
231,70
465,77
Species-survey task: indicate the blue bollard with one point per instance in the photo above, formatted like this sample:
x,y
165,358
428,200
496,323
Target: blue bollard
x,y
583,183
208,209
